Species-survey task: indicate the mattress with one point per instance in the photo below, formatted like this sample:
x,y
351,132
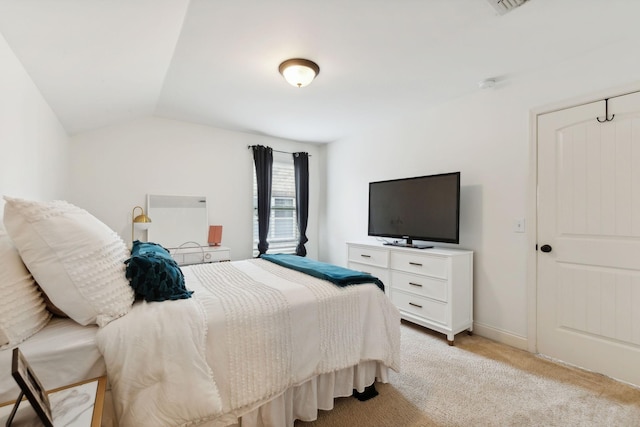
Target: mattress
x,y
62,353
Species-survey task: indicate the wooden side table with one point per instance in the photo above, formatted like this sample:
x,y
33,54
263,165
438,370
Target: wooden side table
x,y
75,405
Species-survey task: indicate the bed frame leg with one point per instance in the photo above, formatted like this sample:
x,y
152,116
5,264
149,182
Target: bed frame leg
x,y
368,393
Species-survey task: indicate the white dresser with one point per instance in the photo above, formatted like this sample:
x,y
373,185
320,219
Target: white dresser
x,y
430,287
187,255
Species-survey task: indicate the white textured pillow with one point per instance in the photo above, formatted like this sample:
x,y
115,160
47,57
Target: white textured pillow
x,y
76,259
22,308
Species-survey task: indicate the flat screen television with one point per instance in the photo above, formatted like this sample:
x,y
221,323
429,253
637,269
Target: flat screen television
x,y
425,208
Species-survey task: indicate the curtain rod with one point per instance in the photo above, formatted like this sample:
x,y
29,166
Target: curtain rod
x,y
277,151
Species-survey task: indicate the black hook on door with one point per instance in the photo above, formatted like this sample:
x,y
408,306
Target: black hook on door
x,y
606,112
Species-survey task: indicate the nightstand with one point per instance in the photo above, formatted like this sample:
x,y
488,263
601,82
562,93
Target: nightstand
x,y
74,405
187,255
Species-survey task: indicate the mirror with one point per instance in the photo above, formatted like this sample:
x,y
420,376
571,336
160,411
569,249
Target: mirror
x,y
177,219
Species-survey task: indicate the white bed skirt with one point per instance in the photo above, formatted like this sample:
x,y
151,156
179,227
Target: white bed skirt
x,y
302,402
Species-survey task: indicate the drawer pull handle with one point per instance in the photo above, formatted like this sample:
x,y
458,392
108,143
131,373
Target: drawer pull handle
x,y
415,305
417,264
365,256
415,284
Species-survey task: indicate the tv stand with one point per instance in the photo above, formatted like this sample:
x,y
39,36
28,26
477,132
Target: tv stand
x,y
432,288
408,245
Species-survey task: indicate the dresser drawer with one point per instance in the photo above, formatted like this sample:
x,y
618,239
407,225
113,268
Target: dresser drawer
x,y
379,272
433,266
217,255
421,285
426,308
369,256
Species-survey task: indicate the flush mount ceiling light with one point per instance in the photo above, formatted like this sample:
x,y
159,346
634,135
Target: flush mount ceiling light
x,y
299,72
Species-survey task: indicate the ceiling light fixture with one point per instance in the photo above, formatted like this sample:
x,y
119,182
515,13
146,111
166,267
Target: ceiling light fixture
x,y
299,72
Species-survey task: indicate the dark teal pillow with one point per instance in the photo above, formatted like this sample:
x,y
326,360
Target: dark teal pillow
x,y
153,274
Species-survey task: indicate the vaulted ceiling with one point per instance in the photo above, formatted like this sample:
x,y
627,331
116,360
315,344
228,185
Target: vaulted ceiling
x,y
215,62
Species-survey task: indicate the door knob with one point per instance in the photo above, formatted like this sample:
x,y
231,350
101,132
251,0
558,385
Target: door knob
x,y
546,248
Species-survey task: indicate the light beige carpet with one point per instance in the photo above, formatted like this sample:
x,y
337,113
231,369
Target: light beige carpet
x,y
482,383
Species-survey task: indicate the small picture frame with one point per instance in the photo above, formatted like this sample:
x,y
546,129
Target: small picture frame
x,y
30,387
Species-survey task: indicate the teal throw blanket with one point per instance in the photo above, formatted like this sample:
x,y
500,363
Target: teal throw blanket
x,y
337,275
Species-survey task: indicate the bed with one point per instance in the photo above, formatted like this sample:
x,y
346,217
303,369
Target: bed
x,y
257,344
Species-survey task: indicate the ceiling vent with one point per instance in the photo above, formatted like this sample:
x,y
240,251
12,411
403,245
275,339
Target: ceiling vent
x,y
504,6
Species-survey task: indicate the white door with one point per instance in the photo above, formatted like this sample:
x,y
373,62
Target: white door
x,y
588,290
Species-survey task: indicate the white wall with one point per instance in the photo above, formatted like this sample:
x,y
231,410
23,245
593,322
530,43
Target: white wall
x,y
113,169
34,146
486,136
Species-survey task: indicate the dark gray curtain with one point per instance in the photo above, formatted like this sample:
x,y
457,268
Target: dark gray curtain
x,y
263,160
301,172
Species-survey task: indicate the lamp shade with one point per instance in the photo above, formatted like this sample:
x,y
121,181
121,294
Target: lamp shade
x,y
215,235
299,72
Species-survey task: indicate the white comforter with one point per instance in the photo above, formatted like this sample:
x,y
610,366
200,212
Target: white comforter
x,y
251,330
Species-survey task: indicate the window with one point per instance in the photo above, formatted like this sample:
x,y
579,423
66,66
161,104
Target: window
x,y
283,229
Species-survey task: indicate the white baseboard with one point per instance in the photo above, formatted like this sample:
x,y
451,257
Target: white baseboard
x,y
501,336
